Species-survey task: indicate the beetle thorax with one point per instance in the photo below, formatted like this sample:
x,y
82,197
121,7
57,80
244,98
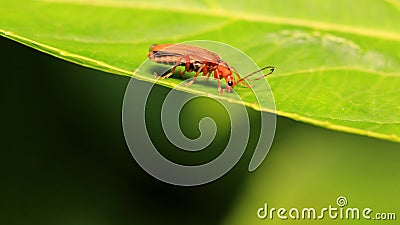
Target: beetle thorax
x,y
224,70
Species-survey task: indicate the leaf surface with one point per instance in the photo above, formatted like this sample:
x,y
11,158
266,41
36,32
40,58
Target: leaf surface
x,y
337,66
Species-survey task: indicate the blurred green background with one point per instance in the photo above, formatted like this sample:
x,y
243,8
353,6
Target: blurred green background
x,y
64,160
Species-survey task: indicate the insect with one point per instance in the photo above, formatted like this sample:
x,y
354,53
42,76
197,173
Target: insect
x,y
199,60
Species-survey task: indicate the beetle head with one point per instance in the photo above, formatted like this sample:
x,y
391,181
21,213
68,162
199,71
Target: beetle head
x,y
225,72
230,82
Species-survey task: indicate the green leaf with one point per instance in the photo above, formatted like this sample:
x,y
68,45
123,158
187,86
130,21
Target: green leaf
x,y
337,65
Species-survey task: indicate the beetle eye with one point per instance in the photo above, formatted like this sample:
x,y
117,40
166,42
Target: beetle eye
x,y
230,83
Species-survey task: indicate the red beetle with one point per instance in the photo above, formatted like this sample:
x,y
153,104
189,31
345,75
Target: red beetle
x,y
199,60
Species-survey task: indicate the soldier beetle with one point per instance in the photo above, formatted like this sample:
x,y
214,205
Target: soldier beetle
x,y
200,60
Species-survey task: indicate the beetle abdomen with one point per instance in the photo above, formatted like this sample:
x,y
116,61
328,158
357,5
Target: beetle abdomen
x,y
166,58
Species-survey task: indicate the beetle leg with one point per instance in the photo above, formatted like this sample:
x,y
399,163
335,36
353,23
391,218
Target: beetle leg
x,y
187,65
216,76
206,73
182,72
166,75
187,62
219,87
178,63
195,76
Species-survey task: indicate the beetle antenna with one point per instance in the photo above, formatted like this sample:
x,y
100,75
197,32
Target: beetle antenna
x,y
272,68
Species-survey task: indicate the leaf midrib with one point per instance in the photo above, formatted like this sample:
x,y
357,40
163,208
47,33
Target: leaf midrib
x,y
218,12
